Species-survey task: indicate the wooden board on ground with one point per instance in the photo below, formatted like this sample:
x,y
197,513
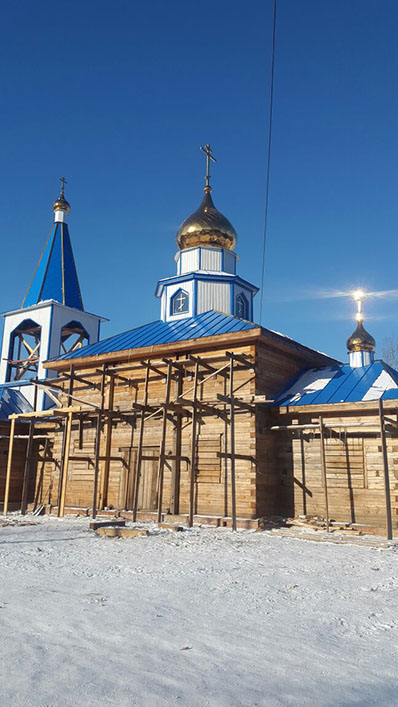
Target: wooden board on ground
x,y
121,532
171,526
95,524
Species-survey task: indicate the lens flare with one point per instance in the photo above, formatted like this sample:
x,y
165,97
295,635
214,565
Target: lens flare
x,y
358,295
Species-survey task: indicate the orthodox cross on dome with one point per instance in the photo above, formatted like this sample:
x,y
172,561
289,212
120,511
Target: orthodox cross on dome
x,y
63,182
207,151
358,297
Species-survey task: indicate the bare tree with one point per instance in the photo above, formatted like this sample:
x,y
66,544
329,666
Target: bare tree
x,y
390,351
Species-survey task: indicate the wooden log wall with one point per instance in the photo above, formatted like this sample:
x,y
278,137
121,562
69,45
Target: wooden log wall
x,y
16,480
275,366
258,476
256,460
120,438
354,470
18,471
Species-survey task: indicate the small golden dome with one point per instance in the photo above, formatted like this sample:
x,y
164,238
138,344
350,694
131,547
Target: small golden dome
x,y
207,226
61,204
361,340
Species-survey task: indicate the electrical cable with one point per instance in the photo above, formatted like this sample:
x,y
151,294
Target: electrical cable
x,y
271,106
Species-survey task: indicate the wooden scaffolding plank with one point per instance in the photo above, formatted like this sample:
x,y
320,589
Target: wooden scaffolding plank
x,y
39,488
27,467
140,442
9,467
64,466
96,464
97,446
50,388
71,384
232,440
389,533
64,471
108,445
244,360
237,402
153,368
52,412
217,372
61,471
177,439
323,469
192,476
162,444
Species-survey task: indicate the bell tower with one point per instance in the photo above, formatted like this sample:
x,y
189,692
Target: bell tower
x,y
206,265
51,320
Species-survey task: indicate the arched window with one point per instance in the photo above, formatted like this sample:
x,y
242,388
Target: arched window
x,y
73,336
180,302
242,306
24,351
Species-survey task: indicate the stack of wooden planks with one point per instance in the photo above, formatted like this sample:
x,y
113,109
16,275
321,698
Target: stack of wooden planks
x,y
317,522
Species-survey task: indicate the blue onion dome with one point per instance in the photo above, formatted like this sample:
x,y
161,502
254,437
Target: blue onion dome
x,y
207,226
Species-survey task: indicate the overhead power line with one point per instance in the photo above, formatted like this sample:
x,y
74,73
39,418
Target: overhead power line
x,y
271,107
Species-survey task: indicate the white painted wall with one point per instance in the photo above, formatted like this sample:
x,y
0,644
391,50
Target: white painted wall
x,y
51,316
230,260
168,292
211,294
42,317
63,315
189,260
214,295
211,259
206,258
60,216
358,359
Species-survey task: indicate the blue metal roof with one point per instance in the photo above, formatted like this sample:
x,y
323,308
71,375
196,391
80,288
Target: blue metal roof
x,y
339,384
56,276
391,394
207,324
202,275
12,401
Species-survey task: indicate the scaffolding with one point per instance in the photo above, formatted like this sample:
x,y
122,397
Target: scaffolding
x,y
384,424
175,406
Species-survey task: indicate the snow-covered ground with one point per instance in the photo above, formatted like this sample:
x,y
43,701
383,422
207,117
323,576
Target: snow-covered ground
x,y
203,617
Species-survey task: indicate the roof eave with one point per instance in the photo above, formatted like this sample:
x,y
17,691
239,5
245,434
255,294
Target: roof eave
x,y
54,303
204,275
212,341
205,342
324,408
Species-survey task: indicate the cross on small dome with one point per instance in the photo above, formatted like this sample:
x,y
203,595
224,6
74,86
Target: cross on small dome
x,y
61,204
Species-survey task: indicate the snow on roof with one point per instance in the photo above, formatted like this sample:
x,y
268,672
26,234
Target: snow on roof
x,y
12,401
338,384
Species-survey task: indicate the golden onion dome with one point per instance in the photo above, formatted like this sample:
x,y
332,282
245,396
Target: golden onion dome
x,y
361,340
61,204
207,226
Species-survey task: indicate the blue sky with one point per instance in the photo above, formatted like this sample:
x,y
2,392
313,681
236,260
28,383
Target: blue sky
x,y
119,96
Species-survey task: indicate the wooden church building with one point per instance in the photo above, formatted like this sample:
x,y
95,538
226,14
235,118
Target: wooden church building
x,y
201,415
